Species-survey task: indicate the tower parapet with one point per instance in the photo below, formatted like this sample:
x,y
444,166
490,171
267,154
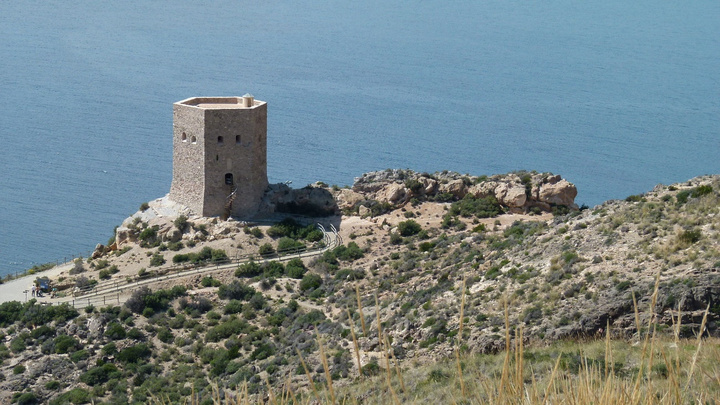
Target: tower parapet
x,y
220,155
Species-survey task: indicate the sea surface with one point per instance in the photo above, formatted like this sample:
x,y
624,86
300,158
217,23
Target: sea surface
x,y
616,96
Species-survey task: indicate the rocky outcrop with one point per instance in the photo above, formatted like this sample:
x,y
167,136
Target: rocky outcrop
x,y
518,192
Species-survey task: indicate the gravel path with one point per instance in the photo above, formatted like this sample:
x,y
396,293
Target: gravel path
x,y
14,290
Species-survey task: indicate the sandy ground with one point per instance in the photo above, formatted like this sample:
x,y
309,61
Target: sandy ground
x,y
14,290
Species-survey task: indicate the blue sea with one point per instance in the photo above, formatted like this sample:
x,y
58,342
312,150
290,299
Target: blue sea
x,y
616,96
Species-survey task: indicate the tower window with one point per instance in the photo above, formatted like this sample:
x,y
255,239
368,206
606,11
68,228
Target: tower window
x,y
183,137
220,140
229,179
237,139
193,140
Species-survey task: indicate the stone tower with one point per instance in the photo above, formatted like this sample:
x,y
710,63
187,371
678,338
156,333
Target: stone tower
x,y
220,155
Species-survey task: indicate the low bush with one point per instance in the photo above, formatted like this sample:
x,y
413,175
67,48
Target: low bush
x,y
134,354
266,249
206,254
227,329
249,269
310,282
157,260
236,291
295,268
486,207
409,228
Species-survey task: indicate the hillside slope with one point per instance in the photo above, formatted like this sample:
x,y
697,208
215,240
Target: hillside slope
x,y
416,253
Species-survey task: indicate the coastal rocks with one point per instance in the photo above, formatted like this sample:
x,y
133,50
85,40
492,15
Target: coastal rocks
x,y
393,193
347,198
517,192
561,192
455,187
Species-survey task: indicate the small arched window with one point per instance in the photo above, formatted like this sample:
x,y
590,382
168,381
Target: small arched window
x,y
237,139
183,137
220,140
193,140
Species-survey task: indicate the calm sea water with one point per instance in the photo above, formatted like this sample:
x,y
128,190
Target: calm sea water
x,y
616,96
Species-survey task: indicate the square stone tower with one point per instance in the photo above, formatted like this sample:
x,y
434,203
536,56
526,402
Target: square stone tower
x,y
220,155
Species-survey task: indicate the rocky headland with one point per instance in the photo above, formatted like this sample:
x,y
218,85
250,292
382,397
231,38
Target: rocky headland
x,y
418,249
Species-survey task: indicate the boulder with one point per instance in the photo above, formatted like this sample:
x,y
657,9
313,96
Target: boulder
x,y
347,198
430,186
484,189
514,197
561,192
393,193
99,251
455,187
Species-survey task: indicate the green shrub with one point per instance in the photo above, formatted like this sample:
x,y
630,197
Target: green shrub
x,y
157,260
181,223
165,335
286,244
262,352
27,398
266,249
295,268
409,228
74,396
273,269
115,331
157,301
18,345
351,252
100,374
486,207
65,344
701,191
134,354
18,369
690,236
249,269
149,237
236,291
79,355
104,275
233,307
227,329
310,281
144,206
208,281
175,246
206,254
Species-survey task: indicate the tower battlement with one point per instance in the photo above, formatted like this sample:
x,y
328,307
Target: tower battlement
x,y
220,155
